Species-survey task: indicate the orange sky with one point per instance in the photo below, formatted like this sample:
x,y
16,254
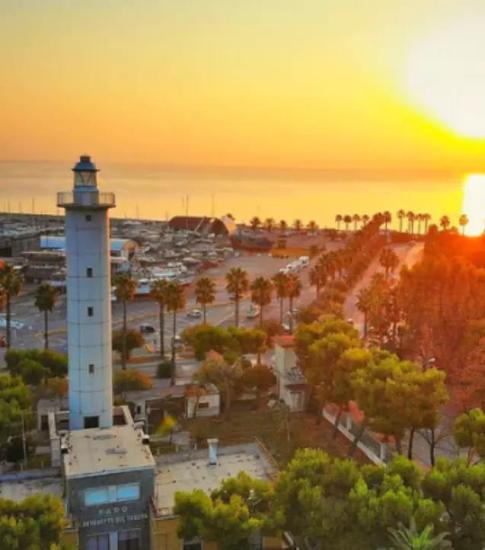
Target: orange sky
x,y
275,83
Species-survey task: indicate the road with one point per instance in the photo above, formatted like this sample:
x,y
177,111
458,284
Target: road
x,y
408,254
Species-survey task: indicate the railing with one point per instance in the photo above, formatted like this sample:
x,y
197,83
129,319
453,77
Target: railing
x,y
85,199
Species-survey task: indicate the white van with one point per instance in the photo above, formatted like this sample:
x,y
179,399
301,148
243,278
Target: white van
x,y
304,261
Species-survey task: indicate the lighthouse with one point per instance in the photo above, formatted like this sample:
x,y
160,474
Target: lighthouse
x,y
88,299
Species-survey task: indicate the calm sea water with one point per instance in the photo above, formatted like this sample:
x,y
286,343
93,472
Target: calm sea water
x,y
149,191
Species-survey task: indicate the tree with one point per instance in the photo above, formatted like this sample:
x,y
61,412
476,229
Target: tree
x,y
53,362
338,220
298,225
388,260
469,432
45,300
356,219
205,338
255,222
294,290
444,223
131,380
347,221
258,378
32,372
411,218
237,284
426,219
365,220
205,294
312,226
261,293
10,286
125,288
225,373
158,292
280,281
410,538
230,517
463,222
364,305
283,225
318,276
35,522
15,401
269,224
125,343
175,302
387,219
401,214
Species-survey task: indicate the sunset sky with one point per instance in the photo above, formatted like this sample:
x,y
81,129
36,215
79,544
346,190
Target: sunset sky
x,y
380,84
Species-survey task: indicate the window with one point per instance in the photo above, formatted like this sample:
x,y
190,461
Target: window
x,y
91,422
203,405
88,217
111,494
129,540
98,542
89,272
90,311
91,368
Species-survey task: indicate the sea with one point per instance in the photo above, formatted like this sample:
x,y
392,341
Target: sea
x,y
150,191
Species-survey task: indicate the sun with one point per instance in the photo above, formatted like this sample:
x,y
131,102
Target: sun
x,y
445,76
474,203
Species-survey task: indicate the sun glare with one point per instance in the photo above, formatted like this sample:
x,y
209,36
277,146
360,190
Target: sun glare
x,y
445,76
474,203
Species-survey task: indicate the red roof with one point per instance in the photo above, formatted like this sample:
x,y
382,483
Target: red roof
x,y
285,341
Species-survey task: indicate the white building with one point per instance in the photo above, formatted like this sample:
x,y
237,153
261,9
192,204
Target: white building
x,y
88,299
292,385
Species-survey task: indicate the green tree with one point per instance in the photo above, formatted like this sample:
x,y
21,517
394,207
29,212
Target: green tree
x,y
32,372
280,281
11,282
254,223
205,294
175,302
45,300
125,288
158,292
388,260
469,432
225,373
205,338
258,378
237,284
35,522
15,401
261,293
318,276
364,305
125,342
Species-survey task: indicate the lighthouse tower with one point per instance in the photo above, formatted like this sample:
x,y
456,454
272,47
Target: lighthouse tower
x,y
88,299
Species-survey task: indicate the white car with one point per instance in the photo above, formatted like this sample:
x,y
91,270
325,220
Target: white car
x,y
253,311
194,314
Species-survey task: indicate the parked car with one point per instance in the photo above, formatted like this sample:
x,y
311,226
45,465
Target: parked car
x,y
147,329
253,311
194,314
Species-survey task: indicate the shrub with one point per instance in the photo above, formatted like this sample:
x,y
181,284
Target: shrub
x,y
131,380
134,339
53,362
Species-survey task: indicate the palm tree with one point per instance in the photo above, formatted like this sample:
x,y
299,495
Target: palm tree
x,y
365,220
297,225
401,215
388,260
347,221
444,222
175,302
280,281
261,292
364,304
419,218
387,218
294,290
356,219
10,285
269,224
426,219
125,288
237,284
338,220
205,293
409,538
255,222
411,217
158,292
463,221
318,276
312,226
45,300
283,225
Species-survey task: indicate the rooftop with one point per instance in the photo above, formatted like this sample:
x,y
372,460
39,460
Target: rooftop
x,y
105,450
19,487
189,471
